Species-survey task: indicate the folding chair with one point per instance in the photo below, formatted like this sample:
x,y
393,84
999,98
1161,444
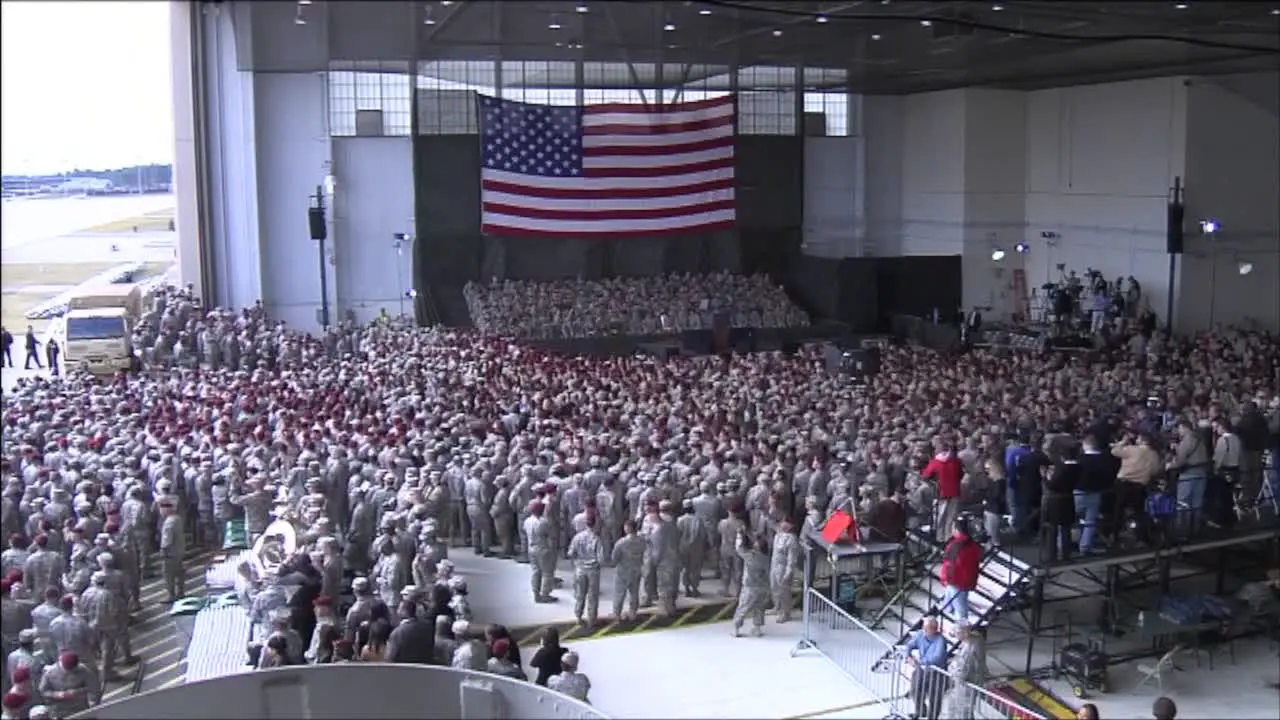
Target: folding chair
x,y
1156,672
1266,496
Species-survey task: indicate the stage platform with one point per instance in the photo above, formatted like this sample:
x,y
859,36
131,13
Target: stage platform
x,y
764,339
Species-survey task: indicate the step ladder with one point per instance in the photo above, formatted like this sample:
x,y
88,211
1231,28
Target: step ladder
x,y
1003,582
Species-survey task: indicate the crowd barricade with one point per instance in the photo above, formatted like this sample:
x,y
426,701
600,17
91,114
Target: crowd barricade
x,y
906,690
852,647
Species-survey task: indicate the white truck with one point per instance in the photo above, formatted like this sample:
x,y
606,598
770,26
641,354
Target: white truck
x,y
97,330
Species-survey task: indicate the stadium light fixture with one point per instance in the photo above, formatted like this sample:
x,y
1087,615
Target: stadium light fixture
x,y
1209,226
1022,248
997,255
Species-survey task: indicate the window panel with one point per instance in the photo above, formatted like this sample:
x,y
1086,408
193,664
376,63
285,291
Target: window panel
x,y
447,92
834,106
767,101
368,86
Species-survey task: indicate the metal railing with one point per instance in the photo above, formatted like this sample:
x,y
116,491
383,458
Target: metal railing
x,y
905,689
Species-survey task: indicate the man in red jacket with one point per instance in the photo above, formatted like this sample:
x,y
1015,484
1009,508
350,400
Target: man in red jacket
x,y
961,561
947,471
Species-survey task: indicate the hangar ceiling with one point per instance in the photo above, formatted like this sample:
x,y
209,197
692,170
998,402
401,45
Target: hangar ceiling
x,y
885,46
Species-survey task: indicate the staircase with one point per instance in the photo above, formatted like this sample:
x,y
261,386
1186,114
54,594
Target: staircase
x,y
1002,583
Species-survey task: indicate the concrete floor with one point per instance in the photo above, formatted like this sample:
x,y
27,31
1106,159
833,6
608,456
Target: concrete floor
x,y
648,674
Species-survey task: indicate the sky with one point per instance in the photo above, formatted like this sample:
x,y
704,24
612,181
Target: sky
x,y
84,85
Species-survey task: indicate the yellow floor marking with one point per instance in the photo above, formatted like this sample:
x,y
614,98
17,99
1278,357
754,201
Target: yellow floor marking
x,y
722,613
174,682
602,632
161,672
1051,705
832,711
686,616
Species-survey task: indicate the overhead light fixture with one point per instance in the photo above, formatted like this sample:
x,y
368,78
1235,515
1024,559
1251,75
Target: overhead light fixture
x,y
1210,226
299,19
926,23
777,33
875,36
1181,6
1244,267
446,3
997,255
997,8
669,27
428,20
704,11
1275,11
582,7
554,24
1022,248
304,2
822,18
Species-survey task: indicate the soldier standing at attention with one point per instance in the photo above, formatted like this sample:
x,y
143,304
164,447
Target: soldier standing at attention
x,y
542,552
782,569
104,612
172,549
587,553
628,558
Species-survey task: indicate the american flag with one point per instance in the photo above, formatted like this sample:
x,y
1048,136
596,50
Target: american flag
x,y
607,170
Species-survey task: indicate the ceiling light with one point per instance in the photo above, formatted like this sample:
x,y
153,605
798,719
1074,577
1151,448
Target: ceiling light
x,y
704,11
1244,268
554,24
926,23
582,7
822,18
299,20
428,20
1209,227
997,8
1180,6
875,36
1275,11
777,33
304,2
997,255
669,27
1022,248
446,3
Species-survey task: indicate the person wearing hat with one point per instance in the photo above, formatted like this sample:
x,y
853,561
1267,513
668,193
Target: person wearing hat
x,y
587,553
539,533
570,682
173,547
135,522
26,657
43,567
68,686
107,614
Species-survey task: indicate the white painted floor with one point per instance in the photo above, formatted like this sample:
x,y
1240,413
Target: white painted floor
x,y
500,591
705,672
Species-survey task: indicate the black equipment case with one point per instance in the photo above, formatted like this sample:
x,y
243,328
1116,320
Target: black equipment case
x,y
1085,666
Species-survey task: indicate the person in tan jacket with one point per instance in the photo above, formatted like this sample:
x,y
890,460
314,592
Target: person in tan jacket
x,y
1139,465
1191,465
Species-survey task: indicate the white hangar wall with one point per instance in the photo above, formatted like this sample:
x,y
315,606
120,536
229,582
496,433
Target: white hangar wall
x,y
1233,177
962,172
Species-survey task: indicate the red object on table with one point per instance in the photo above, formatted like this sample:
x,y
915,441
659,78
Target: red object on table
x,y
841,527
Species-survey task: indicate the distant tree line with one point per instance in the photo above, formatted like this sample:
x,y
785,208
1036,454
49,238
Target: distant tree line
x,y
134,176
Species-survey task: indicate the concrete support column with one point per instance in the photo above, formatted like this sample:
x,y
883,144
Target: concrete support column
x,y
187,175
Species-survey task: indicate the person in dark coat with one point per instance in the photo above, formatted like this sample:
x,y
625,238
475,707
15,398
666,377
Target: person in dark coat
x,y
547,659
6,342
413,641
302,609
51,353
33,349
1058,508
496,632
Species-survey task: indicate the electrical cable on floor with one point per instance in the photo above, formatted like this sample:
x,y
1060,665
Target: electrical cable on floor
x,y
977,25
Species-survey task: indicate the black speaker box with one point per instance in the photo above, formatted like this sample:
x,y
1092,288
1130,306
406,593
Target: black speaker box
x,y
1173,228
319,228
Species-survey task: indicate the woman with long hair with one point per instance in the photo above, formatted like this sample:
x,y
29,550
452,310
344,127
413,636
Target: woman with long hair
x,y
375,649
547,659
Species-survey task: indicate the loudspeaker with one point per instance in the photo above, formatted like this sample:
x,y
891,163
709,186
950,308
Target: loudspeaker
x,y
319,228
1173,228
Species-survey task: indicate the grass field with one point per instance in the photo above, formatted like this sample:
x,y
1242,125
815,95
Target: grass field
x,y
14,305
157,221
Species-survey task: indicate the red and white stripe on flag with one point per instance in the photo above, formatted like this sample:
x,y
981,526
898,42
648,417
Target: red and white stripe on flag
x,y
607,170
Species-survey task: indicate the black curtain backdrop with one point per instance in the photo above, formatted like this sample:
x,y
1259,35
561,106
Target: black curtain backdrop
x,y
451,251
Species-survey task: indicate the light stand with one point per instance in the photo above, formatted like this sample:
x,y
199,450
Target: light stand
x,y
1173,231
400,241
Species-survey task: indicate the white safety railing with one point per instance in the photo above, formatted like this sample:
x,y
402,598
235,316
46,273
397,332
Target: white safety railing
x,y
898,683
